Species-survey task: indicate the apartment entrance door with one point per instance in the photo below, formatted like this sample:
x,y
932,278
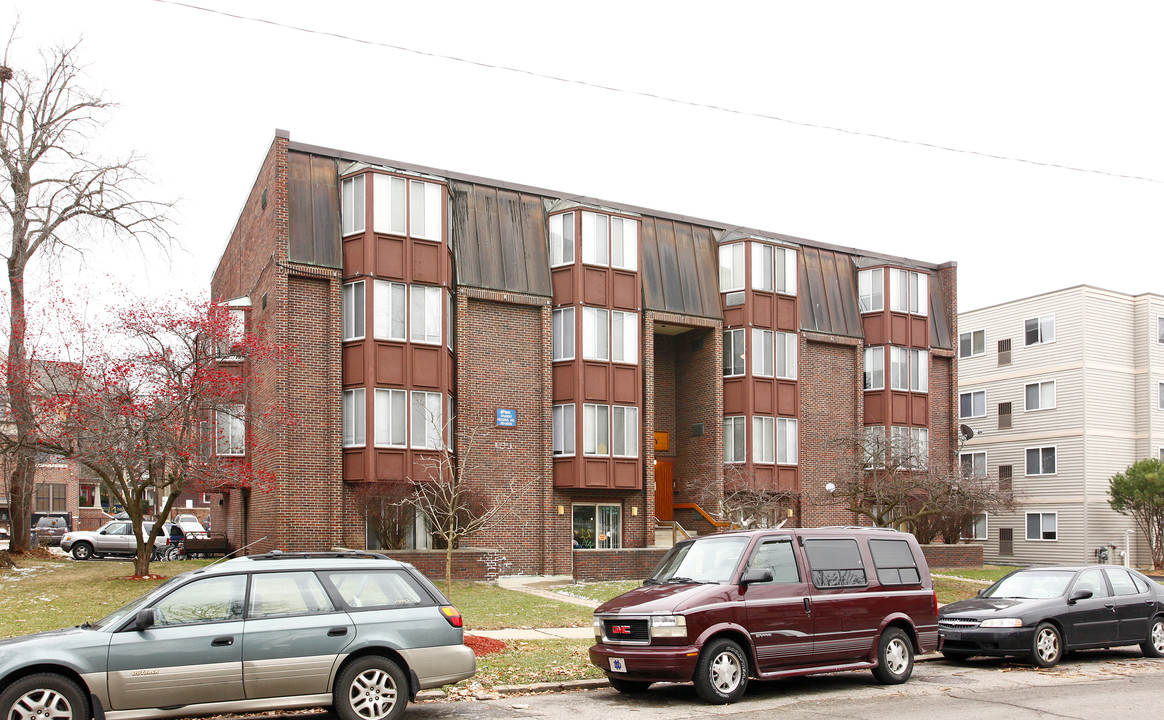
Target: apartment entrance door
x,y
664,490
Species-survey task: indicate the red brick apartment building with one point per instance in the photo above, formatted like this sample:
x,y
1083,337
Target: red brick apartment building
x,y
615,359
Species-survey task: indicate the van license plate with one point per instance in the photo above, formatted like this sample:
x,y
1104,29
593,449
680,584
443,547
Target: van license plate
x,y
617,665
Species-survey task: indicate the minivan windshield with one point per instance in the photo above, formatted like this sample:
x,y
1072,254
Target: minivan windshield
x,y
707,560
1032,584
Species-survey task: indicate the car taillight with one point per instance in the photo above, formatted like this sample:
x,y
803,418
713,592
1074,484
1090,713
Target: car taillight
x,y
452,615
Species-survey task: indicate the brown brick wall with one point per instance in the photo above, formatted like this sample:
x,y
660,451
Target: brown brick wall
x,y
952,556
625,564
503,361
830,410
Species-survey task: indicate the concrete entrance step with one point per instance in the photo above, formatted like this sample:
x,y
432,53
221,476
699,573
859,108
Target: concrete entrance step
x,y
667,533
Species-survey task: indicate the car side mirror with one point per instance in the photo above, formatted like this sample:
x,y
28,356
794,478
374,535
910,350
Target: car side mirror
x,y
1078,595
145,618
756,575
982,592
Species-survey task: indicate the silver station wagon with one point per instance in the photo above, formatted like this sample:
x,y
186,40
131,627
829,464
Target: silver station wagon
x,y
357,632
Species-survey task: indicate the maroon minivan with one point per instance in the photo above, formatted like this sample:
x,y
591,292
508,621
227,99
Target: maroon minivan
x,y
721,608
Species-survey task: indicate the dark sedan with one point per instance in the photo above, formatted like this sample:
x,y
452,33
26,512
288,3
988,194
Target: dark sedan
x,y
1040,613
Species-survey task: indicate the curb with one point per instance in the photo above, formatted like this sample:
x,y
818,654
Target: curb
x,y
564,685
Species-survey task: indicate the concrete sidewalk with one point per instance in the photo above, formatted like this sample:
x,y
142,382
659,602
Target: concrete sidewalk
x,y
573,633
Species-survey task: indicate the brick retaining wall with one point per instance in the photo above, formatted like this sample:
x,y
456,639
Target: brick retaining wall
x,y
623,564
950,556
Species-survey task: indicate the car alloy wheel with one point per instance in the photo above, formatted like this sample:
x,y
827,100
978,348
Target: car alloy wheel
x,y
43,697
1154,645
721,675
82,551
371,688
1048,646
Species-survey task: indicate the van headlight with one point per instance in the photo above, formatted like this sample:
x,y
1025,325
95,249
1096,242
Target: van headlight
x,y
669,626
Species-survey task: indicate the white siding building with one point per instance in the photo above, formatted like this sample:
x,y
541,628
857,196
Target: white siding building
x,y
1062,390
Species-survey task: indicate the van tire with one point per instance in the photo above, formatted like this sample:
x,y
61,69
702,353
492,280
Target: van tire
x,y
721,675
894,657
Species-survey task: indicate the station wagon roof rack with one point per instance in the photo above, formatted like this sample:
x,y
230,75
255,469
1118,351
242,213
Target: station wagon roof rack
x,y
320,555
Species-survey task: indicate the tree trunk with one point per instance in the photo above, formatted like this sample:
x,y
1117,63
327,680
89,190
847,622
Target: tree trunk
x,y
449,571
19,376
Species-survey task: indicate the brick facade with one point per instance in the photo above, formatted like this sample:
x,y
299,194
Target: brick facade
x,y
501,359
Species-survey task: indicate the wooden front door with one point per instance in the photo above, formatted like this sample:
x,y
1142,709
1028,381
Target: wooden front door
x,y
664,490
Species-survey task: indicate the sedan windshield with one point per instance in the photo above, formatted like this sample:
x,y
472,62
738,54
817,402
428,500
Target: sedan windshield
x,y
1032,584
711,560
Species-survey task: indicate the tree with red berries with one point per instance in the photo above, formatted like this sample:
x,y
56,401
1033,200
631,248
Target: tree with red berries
x,y
161,408
56,196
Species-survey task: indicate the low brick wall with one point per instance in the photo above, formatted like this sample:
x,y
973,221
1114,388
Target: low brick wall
x,y
622,564
468,563
939,555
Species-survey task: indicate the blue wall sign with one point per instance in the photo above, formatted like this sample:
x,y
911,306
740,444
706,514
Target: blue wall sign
x,y
506,417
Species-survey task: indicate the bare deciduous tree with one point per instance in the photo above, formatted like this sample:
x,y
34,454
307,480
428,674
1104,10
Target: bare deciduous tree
x,y
54,194
450,495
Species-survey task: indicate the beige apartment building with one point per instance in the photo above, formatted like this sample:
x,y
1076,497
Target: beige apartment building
x,y
1062,390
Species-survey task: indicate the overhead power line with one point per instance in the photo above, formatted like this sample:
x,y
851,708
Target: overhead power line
x,y
654,96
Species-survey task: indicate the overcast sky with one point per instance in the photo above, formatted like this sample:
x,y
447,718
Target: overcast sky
x,y
1062,83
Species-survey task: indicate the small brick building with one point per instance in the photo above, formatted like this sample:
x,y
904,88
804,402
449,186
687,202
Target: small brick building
x,y
609,361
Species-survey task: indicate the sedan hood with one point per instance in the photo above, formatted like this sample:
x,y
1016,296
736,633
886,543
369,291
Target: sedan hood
x,y
657,598
980,605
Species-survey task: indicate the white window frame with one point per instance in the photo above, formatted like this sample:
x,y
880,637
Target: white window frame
x,y
908,291
1160,396
973,455
389,298
979,519
598,526
898,290
875,446
428,212
763,267
913,442
732,277
352,312
624,337
426,421
564,437
974,395
595,334
355,418
595,430
874,368
595,238
1160,329
352,212
898,367
763,348
1042,531
425,314
919,370
1026,461
735,440
626,443
919,293
970,336
231,431
390,417
787,441
563,334
1042,385
735,337
624,243
763,440
389,204
786,270
561,239
1045,326
786,344
871,290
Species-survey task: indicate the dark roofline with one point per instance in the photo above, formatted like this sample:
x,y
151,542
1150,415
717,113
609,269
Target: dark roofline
x,y
586,200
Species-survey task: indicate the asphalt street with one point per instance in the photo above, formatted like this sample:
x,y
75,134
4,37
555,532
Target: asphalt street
x,y
1093,684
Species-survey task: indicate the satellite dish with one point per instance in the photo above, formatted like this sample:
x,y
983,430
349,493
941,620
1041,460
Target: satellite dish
x,y
966,431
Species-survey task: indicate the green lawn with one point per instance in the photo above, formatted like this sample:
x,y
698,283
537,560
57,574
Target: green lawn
x,y
488,607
